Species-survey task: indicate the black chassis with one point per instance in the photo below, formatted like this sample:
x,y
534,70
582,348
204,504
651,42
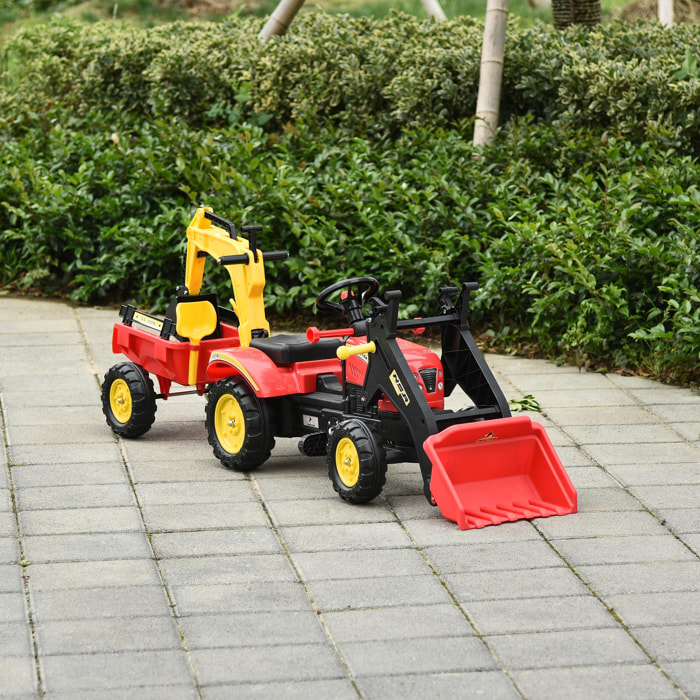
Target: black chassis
x,y
388,374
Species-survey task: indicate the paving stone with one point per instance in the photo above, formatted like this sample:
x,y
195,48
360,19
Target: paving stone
x,y
590,478
412,506
162,692
521,583
12,607
276,488
600,416
65,415
188,493
47,475
532,382
85,496
10,578
681,521
240,568
188,516
72,453
86,547
99,602
670,642
601,525
622,434
16,640
410,485
676,412
440,531
345,594
653,577
658,609
687,675
692,542
623,550
642,682
18,677
114,634
646,453
244,540
5,501
373,563
417,655
554,398
525,554
538,614
596,647
80,521
574,457
493,685
656,497
292,690
687,430
261,596
252,629
664,394
441,620
205,469
90,574
150,448
597,500
267,663
54,400
655,474
329,511
59,434
314,538
132,669
9,550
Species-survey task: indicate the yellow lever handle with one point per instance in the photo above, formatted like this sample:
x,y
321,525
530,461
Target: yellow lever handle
x,y
345,351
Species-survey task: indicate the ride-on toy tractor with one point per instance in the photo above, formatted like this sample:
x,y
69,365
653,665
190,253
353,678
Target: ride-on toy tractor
x,y
358,394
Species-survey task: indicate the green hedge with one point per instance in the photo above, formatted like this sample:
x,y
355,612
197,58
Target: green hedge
x,y
371,75
593,258
580,222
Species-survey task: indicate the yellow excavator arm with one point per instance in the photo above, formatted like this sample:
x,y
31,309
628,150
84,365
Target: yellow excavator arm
x,y
206,236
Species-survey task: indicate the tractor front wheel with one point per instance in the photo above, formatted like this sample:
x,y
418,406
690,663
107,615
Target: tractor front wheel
x,y
356,463
128,400
238,425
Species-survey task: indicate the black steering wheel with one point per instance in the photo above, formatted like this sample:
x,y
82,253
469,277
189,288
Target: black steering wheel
x,y
360,289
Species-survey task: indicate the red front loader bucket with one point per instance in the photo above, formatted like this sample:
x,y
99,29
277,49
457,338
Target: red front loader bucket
x,y
497,471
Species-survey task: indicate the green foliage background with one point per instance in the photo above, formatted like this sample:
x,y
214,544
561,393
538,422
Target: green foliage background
x,y
349,139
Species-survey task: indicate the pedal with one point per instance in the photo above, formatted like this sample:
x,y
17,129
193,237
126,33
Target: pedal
x,y
313,444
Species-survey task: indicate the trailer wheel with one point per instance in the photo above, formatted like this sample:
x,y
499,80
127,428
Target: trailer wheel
x,y
128,400
238,425
356,463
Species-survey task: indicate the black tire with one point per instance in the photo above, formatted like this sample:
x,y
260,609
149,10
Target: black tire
x,y
128,400
238,425
356,462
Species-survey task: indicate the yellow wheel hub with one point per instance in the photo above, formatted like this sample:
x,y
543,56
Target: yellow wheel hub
x,y
229,424
120,400
347,462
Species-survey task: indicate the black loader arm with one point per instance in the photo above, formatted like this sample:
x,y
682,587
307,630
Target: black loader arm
x,y
463,363
388,373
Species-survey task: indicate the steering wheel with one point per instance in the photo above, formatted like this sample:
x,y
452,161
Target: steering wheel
x,y
366,287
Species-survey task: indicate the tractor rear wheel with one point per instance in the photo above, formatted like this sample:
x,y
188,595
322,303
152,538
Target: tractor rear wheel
x,y
128,400
238,425
356,462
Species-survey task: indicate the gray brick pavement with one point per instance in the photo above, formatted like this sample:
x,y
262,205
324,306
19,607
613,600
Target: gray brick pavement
x,y
144,568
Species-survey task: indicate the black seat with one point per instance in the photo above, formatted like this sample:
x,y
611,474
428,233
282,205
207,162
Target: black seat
x,y
285,349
